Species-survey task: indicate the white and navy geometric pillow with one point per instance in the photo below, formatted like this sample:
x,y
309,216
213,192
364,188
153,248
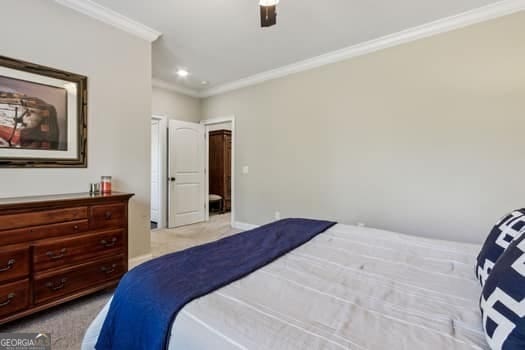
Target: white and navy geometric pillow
x,y
509,228
503,300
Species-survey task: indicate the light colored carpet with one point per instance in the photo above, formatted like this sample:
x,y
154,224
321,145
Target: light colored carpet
x,y
172,240
67,323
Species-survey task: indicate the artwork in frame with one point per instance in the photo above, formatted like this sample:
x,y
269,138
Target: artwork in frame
x,y
43,116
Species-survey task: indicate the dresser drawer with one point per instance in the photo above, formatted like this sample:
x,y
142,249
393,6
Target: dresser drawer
x,y
49,286
35,218
107,216
34,233
60,252
14,297
14,262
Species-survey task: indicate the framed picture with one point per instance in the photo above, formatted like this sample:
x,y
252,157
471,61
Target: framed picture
x,y
43,116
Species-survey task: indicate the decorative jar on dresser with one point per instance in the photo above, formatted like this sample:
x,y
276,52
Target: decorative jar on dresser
x,y
54,249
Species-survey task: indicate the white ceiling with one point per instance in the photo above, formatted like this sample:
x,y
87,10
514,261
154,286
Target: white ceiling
x,y
222,42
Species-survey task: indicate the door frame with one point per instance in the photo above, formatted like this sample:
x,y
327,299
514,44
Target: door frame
x,y
163,170
207,123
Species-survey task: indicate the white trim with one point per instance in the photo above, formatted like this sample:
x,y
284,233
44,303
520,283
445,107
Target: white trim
x,y
207,173
481,14
173,87
108,16
243,226
485,13
163,169
133,262
206,123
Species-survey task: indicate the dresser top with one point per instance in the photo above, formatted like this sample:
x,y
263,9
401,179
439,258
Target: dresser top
x,y
60,199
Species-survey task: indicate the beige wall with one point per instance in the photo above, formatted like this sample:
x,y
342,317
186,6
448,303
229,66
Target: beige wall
x,y
424,138
118,67
174,105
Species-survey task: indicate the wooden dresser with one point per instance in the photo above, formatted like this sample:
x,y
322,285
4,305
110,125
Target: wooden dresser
x,y
57,248
220,163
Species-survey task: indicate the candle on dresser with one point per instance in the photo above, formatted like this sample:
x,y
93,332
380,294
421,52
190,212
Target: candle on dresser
x,y
105,184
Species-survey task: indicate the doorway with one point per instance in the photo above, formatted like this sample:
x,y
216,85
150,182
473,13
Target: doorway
x,y
158,172
184,180
220,161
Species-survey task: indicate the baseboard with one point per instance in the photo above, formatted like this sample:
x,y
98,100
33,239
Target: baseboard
x,y
139,260
243,226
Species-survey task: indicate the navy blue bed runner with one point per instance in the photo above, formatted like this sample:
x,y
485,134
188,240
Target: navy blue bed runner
x,y
149,296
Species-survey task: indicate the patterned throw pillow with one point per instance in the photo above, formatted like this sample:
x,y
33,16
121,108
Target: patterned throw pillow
x,y
503,300
509,228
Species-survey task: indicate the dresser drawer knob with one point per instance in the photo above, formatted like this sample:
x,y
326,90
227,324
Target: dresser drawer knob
x,y
52,255
108,215
57,286
75,227
108,270
110,243
10,264
10,297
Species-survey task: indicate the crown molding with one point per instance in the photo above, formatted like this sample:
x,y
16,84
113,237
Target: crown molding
x,y
173,87
481,14
108,16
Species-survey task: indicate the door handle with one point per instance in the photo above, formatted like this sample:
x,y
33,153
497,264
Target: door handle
x,y
10,264
110,243
10,297
54,286
52,255
172,179
108,270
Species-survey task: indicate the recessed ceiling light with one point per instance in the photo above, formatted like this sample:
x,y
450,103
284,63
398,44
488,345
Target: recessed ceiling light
x,y
183,73
204,82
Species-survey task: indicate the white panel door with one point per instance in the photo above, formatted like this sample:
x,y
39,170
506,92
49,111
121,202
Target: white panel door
x,y
155,171
185,173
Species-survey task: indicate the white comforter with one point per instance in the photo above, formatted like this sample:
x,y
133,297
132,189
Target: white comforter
x,y
348,288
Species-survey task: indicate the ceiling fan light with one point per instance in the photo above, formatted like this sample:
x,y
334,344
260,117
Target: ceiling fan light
x,y
268,2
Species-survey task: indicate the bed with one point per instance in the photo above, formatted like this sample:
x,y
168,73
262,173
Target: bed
x,y
348,288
